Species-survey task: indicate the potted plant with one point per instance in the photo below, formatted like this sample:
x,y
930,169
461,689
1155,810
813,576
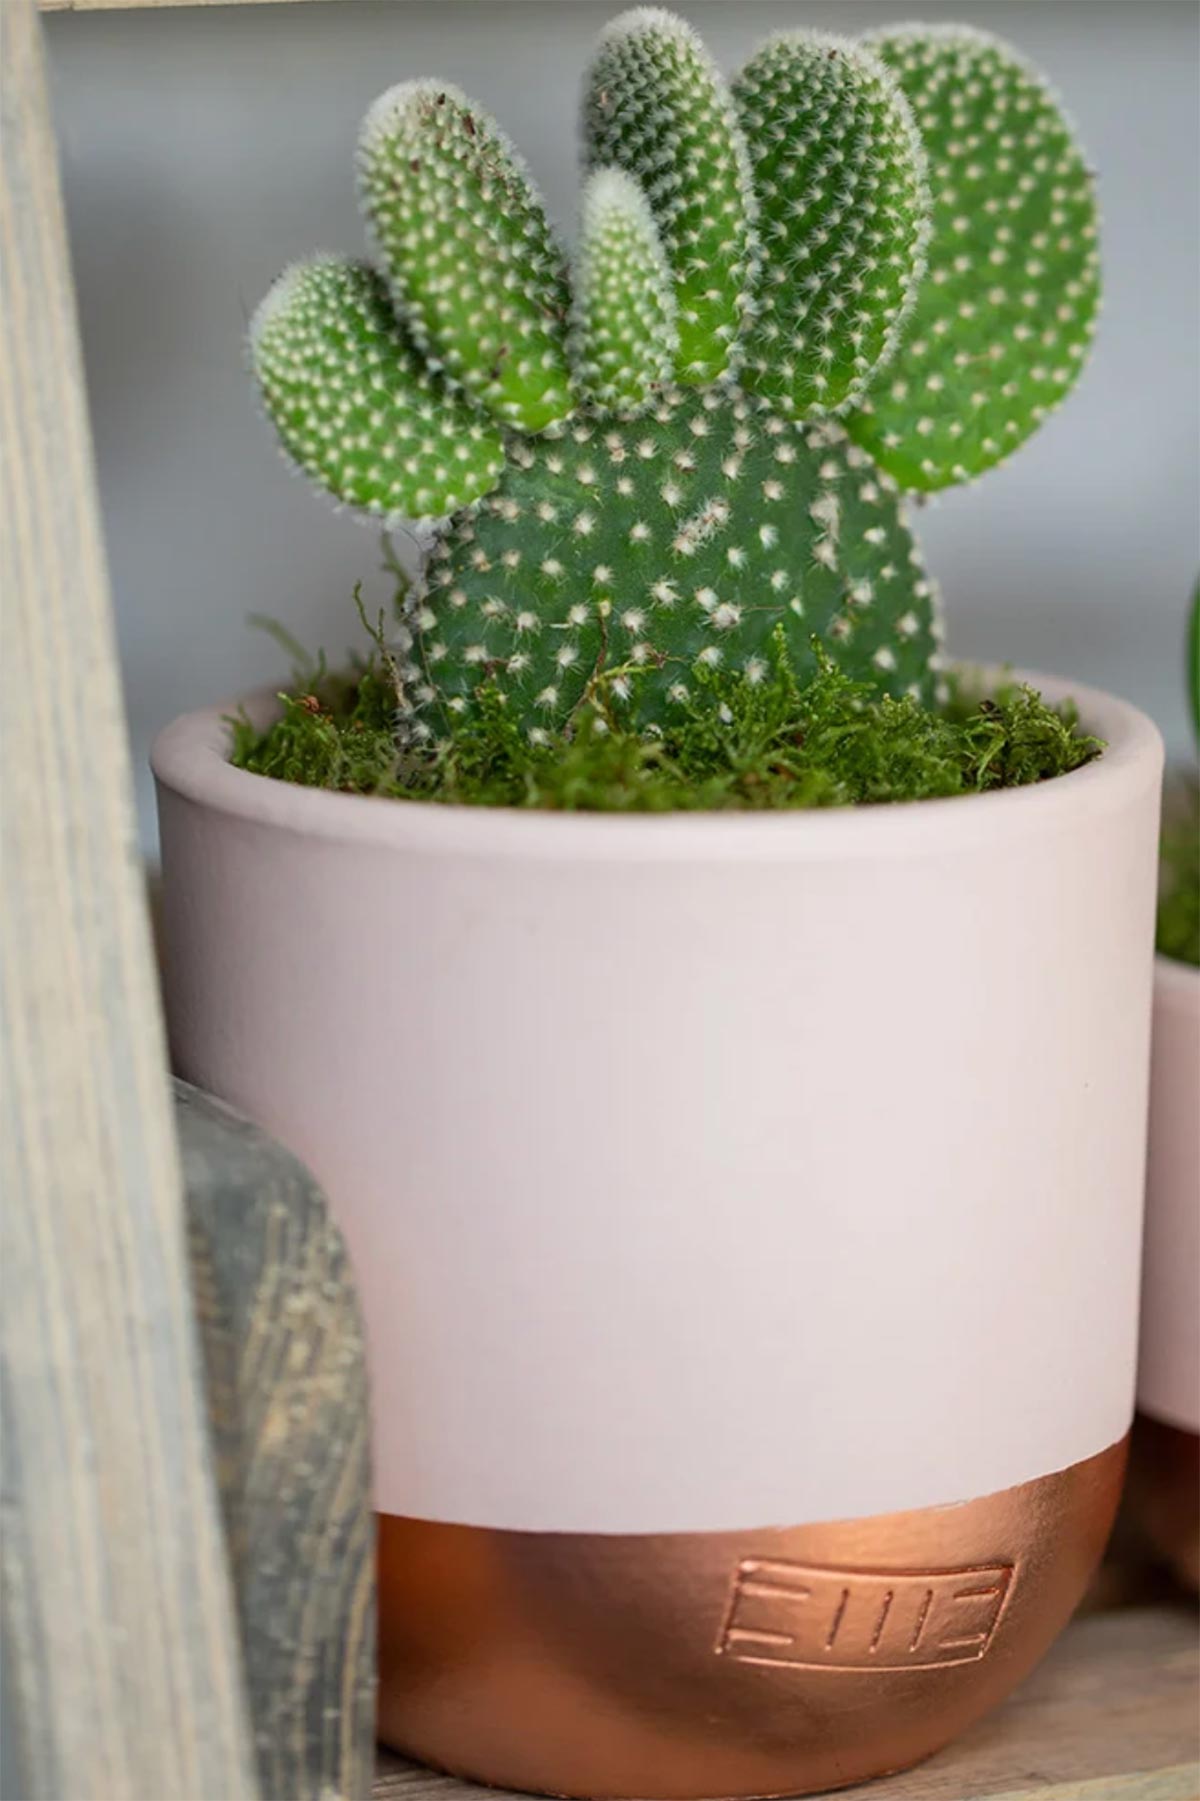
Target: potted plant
x,y
1165,1477
744,1188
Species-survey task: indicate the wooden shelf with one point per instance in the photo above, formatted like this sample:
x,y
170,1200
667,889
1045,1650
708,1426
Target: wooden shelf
x,y
1111,1715
94,6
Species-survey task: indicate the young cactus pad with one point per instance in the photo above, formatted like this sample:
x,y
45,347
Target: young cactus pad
x,y
624,335
655,106
1006,313
839,171
473,266
609,513
356,407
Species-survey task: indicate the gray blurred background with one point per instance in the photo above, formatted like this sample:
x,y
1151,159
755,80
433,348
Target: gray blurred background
x,y
204,147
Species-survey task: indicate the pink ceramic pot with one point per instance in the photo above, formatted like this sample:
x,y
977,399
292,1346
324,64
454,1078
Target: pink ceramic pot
x,y
1165,1490
746,1211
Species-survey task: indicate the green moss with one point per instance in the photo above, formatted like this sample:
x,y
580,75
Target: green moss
x,y
1178,933
828,742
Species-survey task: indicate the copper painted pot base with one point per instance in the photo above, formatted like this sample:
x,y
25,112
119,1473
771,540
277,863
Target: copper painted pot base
x,y
731,1664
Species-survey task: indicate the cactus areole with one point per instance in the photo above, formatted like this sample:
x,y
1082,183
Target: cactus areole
x,y
863,268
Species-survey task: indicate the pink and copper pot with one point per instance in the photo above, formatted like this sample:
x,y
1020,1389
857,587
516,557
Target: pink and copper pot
x,y
746,1211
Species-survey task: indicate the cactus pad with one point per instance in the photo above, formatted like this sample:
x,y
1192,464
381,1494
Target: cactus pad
x,y
355,406
623,336
1007,310
622,557
655,106
839,173
472,264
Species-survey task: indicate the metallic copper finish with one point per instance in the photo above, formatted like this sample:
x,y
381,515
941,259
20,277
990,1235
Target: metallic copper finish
x,y
729,1664
1162,1497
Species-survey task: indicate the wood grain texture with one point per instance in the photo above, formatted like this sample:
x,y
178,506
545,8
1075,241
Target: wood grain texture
x,y
1111,1715
121,1675
285,1361
91,6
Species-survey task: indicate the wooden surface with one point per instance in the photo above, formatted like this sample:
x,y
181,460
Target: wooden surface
x,y
1111,1715
286,1384
120,1667
90,6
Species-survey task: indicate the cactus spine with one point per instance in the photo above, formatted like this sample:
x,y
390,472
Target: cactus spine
x,y
613,513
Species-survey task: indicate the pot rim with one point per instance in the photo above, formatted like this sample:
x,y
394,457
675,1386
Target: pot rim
x,y
190,760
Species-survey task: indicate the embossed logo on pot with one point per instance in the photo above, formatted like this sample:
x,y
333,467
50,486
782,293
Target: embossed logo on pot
x,y
803,1616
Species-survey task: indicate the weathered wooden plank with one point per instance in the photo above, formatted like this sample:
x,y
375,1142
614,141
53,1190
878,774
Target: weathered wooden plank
x,y
1178,1784
121,1673
1109,1716
86,6
285,1364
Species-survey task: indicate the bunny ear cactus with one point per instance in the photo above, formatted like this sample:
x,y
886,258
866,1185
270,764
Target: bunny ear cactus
x,y
610,512
1006,312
